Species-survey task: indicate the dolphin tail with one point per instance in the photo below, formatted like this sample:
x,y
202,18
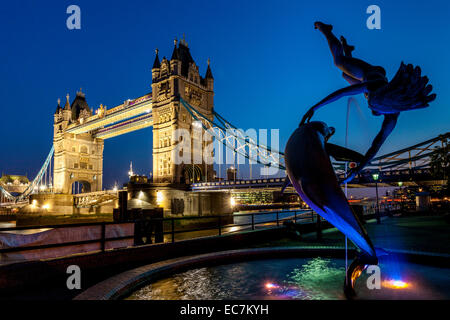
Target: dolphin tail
x,y
354,271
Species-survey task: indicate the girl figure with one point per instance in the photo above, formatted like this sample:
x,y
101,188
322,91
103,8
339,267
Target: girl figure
x,y
408,90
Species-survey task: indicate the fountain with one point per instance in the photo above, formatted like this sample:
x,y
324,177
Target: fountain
x,y
305,273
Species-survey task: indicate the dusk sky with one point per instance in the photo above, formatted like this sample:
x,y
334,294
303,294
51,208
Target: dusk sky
x,y
269,64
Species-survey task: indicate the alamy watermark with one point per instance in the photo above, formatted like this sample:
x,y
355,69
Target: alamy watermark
x,y
73,21
374,20
74,280
374,280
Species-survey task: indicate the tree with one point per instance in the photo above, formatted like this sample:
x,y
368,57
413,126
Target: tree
x,y
440,165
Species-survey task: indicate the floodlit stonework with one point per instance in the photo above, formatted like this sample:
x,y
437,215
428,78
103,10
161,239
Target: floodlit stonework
x,y
78,157
172,79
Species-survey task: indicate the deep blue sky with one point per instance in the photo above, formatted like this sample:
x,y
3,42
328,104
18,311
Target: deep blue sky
x,y
268,62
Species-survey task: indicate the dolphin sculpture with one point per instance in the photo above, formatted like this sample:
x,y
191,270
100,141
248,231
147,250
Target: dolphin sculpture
x,y
309,169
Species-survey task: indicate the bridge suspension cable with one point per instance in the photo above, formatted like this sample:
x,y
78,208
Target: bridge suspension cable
x,y
34,185
227,134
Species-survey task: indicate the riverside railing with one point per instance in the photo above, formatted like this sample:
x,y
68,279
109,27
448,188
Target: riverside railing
x,y
214,225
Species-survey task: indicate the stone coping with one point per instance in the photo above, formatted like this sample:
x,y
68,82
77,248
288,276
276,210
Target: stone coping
x,y
123,284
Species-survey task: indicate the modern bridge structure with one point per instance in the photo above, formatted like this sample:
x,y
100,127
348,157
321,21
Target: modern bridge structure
x,y
180,98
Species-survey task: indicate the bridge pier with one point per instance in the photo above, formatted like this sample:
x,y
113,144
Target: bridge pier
x,y
49,204
177,200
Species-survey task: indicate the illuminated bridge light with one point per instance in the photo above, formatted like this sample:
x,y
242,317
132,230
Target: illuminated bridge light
x,y
159,198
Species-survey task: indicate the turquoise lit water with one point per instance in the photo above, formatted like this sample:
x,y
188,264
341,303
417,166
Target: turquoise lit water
x,y
304,279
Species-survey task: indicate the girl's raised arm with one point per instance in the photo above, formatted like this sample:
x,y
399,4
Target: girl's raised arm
x,y
347,91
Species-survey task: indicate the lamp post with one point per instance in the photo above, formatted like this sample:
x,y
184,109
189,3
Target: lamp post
x,y
375,177
400,184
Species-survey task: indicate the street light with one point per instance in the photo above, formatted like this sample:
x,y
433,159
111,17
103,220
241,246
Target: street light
x,y
159,198
400,184
375,177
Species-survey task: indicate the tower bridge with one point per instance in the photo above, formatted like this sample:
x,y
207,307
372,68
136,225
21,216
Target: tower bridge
x,y
79,134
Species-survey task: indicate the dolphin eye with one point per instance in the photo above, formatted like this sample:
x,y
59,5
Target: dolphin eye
x,y
332,131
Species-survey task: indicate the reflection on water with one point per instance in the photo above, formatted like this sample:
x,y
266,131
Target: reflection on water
x,y
315,278
319,279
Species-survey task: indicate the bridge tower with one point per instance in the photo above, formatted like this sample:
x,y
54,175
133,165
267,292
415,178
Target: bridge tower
x,y
78,158
172,79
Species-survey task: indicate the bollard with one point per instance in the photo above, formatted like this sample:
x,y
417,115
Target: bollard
x,y
173,230
319,228
103,237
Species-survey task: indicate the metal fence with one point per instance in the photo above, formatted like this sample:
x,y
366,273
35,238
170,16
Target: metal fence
x,y
216,225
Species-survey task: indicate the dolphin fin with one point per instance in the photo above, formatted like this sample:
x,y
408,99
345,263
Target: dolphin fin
x,y
343,154
286,183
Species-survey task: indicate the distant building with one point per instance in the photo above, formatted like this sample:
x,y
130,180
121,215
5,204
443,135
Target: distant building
x,y
14,183
231,174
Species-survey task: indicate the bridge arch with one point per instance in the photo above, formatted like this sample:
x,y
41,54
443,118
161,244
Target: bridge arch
x,y
80,186
192,173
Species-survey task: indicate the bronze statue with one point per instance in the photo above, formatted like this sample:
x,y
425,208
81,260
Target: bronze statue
x,y
307,152
408,90
308,167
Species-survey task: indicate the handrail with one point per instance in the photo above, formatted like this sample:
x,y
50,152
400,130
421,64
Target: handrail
x,y
306,214
169,231
85,224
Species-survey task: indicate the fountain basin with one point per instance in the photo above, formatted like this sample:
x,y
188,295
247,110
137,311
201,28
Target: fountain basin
x,y
277,273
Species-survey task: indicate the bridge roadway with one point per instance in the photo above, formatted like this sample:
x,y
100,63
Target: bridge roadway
x,y
85,200
412,176
408,177
134,124
141,106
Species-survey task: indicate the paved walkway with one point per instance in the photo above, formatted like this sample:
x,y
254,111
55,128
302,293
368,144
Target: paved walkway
x,y
425,233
